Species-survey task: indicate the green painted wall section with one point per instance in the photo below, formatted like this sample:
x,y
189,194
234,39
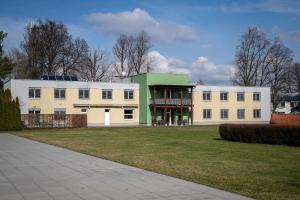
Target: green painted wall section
x,y
147,79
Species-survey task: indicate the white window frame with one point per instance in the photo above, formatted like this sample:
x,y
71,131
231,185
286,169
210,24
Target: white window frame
x,y
239,95
206,95
222,113
222,95
105,91
127,95
255,95
207,114
240,111
59,93
128,114
255,116
84,96
34,93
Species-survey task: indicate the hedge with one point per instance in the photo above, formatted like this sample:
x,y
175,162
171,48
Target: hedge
x,y
261,133
10,114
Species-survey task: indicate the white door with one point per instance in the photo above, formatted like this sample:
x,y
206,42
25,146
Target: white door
x,y
107,117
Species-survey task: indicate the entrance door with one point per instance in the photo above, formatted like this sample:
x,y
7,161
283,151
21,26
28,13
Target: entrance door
x,y
107,117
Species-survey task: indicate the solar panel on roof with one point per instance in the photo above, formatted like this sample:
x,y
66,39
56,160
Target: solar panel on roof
x,y
60,78
52,78
74,78
67,78
44,77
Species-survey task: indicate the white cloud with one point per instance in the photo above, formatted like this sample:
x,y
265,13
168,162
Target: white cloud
x,y
132,22
201,69
211,73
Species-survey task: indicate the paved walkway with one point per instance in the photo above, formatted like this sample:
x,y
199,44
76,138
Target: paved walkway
x,y
35,171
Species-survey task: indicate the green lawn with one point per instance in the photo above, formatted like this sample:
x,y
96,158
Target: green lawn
x,y
193,153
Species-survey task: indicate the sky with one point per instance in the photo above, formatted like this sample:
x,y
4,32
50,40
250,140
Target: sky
x,y
194,37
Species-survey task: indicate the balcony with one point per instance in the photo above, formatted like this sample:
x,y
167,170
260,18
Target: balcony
x,y
173,102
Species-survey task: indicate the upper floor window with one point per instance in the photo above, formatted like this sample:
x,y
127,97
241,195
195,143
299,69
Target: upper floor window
x,y
206,113
34,93
106,94
224,96
256,113
206,96
59,93
128,94
256,96
241,113
224,113
84,93
240,96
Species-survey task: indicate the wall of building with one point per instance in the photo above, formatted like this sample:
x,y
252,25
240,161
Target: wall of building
x,y
95,104
215,104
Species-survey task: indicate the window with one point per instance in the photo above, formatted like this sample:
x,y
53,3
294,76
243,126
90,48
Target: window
x,y
240,96
83,110
106,94
206,96
59,93
34,93
128,94
224,96
256,113
241,113
128,114
206,113
59,113
34,111
84,93
224,113
282,104
256,96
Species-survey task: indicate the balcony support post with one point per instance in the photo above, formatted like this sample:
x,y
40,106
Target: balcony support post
x,y
154,105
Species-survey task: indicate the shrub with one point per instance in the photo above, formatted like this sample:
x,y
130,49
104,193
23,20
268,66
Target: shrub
x,y
10,116
261,133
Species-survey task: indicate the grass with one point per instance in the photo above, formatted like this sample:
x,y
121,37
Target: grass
x,y
192,153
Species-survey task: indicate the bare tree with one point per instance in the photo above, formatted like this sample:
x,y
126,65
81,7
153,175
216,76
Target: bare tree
x,y
97,66
132,54
51,50
250,58
280,61
120,50
73,56
295,77
142,45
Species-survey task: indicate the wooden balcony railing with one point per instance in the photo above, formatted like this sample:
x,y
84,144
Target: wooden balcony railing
x,y
184,102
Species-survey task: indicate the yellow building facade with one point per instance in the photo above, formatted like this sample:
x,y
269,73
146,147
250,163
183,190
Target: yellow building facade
x,y
144,102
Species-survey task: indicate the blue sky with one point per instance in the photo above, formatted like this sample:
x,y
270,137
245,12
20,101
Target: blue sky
x,y
194,37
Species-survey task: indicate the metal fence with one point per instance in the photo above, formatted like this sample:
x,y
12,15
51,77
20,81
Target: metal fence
x,y
171,101
54,121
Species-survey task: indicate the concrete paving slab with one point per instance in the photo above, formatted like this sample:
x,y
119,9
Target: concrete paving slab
x,y
37,171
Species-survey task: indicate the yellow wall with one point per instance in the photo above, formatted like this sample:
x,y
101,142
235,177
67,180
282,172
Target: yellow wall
x,y
47,103
215,104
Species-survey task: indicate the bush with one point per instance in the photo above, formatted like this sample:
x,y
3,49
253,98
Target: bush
x,y
10,116
261,133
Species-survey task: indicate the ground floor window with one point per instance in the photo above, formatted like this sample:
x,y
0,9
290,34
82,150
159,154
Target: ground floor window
x,y
128,114
34,111
241,113
224,113
59,113
206,113
256,113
